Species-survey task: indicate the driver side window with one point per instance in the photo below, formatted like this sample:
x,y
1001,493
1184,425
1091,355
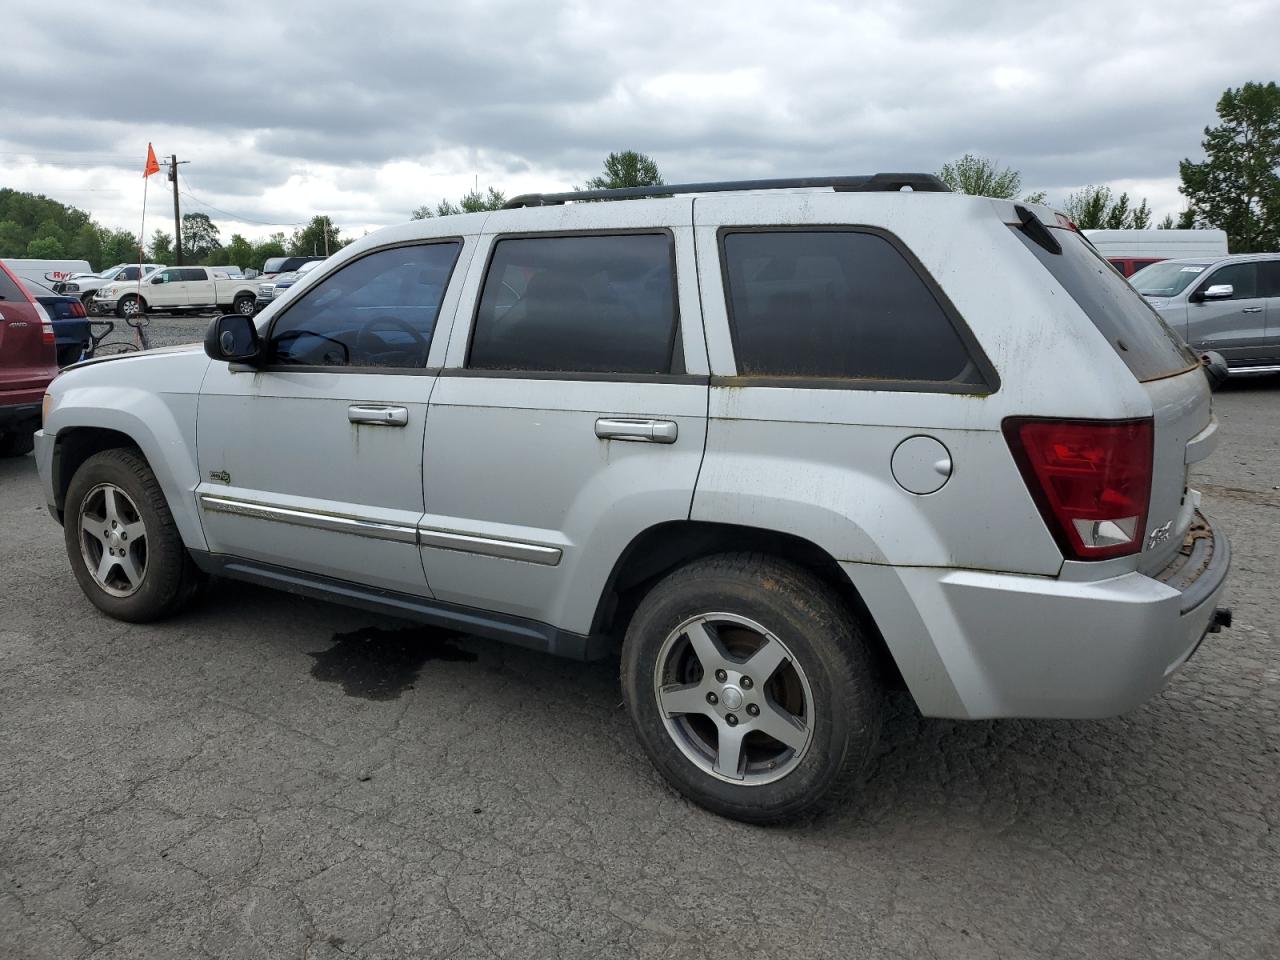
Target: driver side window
x,y
377,311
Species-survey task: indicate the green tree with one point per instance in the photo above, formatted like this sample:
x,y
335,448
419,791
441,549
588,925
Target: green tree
x,y
118,246
45,248
200,236
1237,187
983,177
473,201
626,169
264,250
318,238
13,239
87,245
162,247
239,251
1096,208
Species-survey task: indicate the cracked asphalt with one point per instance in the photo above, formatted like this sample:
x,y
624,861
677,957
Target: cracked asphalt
x,y
274,777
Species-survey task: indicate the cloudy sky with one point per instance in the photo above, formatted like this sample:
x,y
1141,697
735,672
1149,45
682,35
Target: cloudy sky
x,y
365,111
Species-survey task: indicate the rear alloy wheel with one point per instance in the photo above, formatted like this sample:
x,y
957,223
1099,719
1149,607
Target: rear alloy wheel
x,y
734,699
751,687
245,306
124,547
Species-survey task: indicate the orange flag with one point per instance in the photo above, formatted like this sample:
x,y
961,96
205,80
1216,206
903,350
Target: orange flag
x,y
153,166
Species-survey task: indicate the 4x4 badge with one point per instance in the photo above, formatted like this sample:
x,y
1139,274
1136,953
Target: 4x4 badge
x,y
220,475
1160,534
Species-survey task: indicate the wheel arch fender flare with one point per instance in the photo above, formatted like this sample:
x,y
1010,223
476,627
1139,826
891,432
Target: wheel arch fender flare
x,y
147,422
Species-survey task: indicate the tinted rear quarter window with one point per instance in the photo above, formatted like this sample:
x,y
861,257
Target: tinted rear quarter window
x,y
585,304
1136,332
841,304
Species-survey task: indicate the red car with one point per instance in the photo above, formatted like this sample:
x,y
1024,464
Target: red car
x,y
28,362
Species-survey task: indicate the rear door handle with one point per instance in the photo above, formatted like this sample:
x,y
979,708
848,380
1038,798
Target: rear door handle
x,y
641,431
1251,310
378,414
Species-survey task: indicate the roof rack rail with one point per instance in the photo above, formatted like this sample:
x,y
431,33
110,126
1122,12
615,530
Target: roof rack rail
x,y
865,183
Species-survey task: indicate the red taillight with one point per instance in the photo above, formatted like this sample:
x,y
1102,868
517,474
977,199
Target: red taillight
x,y
78,310
1091,480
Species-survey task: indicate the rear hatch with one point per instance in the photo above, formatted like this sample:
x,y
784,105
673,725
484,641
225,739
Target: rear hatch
x,y
27,354
1184,427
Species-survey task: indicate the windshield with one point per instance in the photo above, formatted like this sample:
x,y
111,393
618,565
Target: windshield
x,y
1167,279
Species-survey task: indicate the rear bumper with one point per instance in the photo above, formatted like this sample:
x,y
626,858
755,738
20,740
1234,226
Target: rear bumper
x,y
1013,646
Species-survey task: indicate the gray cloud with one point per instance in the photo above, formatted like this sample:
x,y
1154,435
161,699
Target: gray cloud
x,y
363,111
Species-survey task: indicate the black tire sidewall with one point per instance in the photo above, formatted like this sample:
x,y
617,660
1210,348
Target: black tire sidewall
x,y
162,588
821,634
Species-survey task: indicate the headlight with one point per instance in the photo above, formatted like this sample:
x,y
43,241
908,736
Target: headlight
x,y
71,287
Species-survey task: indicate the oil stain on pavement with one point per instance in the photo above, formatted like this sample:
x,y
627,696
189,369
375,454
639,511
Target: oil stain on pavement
x,y
379,664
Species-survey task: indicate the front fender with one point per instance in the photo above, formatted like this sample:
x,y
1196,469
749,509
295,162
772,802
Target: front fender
x,y
161,422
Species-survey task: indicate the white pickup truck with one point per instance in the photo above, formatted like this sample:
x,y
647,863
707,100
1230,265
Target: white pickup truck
x,y
179,290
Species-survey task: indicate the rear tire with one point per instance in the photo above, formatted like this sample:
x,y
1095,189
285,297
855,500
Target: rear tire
x,y
729,650
245,306
17,443
123,545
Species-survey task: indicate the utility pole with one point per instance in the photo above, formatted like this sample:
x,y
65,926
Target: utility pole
x,y
326,236
177,216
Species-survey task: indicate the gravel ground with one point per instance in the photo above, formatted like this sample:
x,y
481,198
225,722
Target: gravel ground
x,y
274,777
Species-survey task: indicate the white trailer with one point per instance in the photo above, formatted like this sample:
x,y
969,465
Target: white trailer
x,y
1131,250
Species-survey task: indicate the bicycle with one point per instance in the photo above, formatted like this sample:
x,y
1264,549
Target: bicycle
x,y
100,345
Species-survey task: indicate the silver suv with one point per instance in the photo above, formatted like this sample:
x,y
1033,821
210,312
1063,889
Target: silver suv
x,y
1230,305
789,442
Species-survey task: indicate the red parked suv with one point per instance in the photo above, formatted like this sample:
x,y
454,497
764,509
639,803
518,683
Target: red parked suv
x,y
28,362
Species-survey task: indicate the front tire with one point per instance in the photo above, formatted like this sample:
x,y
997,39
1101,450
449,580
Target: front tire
x,y
123,545
130,307
751,687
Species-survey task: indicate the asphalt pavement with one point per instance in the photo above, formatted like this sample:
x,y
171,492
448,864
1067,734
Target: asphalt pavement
x,y
274,777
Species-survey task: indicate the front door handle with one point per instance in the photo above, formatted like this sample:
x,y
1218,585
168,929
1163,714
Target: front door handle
x,y
641,431
378,414
1251,310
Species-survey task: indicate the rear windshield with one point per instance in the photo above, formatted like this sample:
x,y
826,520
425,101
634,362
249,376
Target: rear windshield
x,y
1135,331
1167,279
9,290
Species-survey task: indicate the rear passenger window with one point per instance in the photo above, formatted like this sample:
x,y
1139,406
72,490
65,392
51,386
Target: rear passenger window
x,y
836,303
377,311
194,273
1269,278
587,304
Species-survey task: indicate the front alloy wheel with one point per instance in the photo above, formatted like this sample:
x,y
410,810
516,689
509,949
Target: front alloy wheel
x,y
113,540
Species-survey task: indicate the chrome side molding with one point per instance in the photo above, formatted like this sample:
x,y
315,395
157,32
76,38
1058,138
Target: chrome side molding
x,y
335,522
522,550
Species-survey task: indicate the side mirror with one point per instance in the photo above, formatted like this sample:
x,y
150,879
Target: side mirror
x,y
1215,369
157,279
1218,291
233,339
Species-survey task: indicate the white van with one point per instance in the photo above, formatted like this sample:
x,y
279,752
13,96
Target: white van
x,y
48,270
1131,250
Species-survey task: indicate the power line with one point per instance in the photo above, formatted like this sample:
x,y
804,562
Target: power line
x,y
186,192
